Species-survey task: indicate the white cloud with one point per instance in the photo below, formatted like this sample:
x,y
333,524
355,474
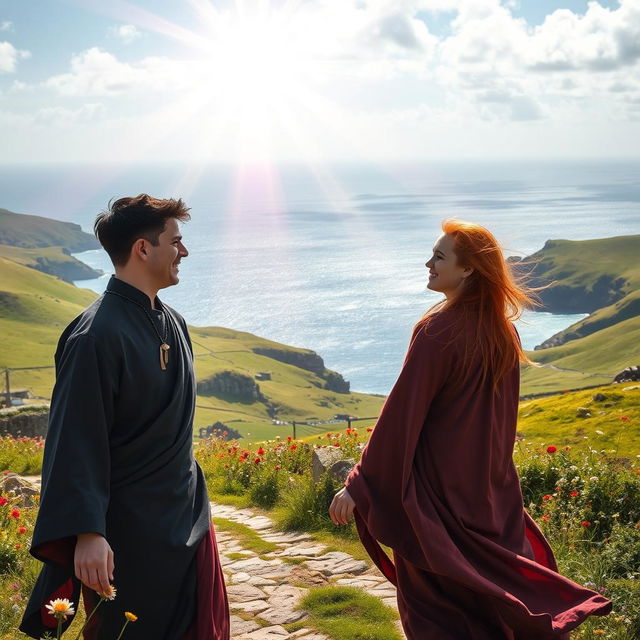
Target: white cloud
x,y
126,32
9,57
60,116
98,73
6,25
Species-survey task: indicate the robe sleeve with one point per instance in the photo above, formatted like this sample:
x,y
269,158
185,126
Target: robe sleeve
x,y
378,482
76,466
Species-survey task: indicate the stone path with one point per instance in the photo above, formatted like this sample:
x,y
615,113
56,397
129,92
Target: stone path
x,y
264,590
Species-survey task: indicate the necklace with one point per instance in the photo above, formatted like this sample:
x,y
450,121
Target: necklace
x,y
164,347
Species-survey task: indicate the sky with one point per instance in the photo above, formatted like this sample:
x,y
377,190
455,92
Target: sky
x,y
244,81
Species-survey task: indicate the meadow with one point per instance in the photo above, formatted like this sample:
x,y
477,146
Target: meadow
x,y
580,481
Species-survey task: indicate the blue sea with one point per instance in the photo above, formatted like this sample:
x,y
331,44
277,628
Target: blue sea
x,y
331,257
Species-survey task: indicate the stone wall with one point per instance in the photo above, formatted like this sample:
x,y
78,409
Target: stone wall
x,y
26,424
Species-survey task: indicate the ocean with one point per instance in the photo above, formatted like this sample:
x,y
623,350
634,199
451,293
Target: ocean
x,y
331,258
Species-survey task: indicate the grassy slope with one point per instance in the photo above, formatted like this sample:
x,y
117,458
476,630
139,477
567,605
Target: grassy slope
x,y
554,420
34,231
35,307
604,343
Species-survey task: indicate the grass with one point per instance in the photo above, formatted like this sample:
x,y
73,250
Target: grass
x,y
613,424
346,613
246,536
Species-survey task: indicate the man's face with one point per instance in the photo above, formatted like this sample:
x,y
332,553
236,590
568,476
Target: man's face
x,y
164,259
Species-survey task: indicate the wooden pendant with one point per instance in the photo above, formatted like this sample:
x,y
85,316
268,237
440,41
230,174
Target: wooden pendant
x,y
164,355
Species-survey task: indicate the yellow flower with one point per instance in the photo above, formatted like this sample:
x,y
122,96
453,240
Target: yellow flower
x,y
109,594
598,632
130,616
60,608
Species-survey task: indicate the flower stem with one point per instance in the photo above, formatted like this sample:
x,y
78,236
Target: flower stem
x,y
59,633
124,626
86,622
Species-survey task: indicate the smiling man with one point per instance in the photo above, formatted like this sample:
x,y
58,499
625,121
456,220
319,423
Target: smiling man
x,y
123,500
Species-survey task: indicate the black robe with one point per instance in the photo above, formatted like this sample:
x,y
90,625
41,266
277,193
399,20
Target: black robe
x,y
119,462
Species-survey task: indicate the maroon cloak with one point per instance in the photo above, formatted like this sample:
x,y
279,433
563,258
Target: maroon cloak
x,y
438,485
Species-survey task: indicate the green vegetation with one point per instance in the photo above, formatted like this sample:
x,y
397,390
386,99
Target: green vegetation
x,y
577,420
346,613
601,277
35,308
245,535
31,232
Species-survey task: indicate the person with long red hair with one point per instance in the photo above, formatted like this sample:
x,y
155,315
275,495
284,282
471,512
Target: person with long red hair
x,y
436,482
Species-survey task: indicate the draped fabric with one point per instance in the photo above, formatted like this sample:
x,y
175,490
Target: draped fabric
x,y
119,462
438,485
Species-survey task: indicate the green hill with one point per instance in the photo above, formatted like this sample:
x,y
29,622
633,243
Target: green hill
x,y
35,307
601,277
607,417
31,232
46,245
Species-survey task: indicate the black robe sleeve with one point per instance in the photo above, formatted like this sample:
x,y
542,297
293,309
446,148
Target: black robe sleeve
x,y
75,470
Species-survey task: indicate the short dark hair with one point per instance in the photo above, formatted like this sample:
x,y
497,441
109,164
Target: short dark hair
x,y
128,219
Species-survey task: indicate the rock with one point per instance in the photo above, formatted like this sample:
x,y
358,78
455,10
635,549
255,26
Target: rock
x,y
323,459
583,412
335,382
275,632
25,490
630,374
240,626
299,550
244,593
635,386
305,576
341,469
252,606
599,397
24,422
304,359
283,615
231,386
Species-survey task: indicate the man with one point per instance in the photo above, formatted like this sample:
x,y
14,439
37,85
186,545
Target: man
x,y
123,500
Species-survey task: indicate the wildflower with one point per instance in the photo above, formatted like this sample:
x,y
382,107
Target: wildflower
x,y
130,616
547,497
546,517
328,435
60,608
293,447
336,444
260,451
369,429
3,501
574,493
17,546
277,467
289,438
566,448
22,529
258,460
109,594
586,523
551,449
15,513
624,418
593,479
598,632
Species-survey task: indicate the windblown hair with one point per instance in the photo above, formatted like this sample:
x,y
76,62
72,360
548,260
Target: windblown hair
x,y
128,219
492,296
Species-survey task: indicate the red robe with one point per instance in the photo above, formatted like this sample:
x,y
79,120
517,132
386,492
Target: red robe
x,y
438,485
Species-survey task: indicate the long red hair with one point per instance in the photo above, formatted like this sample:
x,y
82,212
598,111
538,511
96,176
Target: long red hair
x,y
492,295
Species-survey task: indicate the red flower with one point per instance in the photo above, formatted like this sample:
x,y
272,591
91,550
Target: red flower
x,y
545,517
551,449
585,523
348,432
5,473
369,429
625,418
289,438
566,448
22,529
17,546
574,493
547,497
277,467
3,501
293,447
328,435
15,514
336,444
260,451
258,460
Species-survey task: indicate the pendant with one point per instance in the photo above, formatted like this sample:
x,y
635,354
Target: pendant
x,y
164,355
